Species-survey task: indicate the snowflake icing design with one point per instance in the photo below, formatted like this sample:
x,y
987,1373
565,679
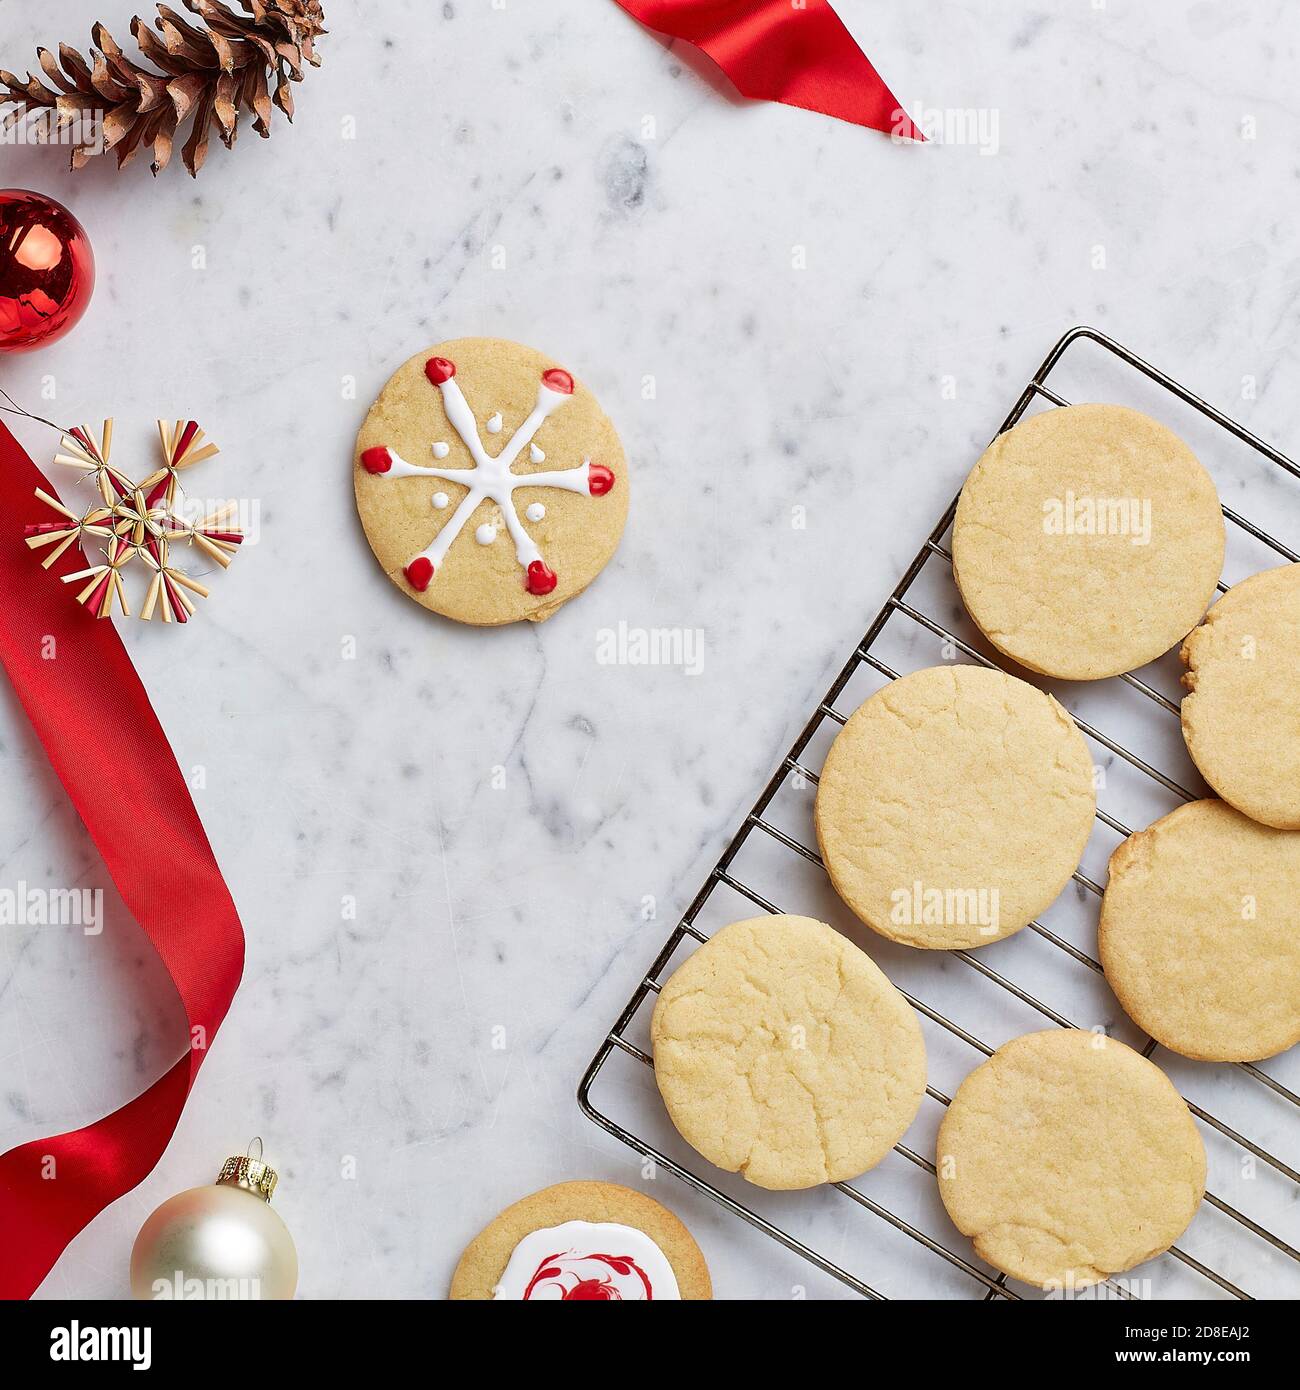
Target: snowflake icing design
x,y
136,521
491,478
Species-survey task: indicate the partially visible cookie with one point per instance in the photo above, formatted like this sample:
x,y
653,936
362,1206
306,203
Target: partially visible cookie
x,y
784,1054
491,485
1241,718
1088,541
1200,933
954,806
583,1242
1068,1157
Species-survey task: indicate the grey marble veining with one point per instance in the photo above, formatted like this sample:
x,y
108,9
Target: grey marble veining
x,y
456,851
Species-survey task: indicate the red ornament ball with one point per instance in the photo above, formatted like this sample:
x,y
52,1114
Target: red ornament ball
x,y
47,270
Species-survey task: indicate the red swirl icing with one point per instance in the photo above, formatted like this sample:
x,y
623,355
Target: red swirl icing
x,y
577,1282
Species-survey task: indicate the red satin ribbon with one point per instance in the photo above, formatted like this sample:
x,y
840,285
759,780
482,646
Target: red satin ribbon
x,y
780,50
103,739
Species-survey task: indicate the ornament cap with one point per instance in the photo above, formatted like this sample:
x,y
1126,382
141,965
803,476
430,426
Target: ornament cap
x,y
249,1172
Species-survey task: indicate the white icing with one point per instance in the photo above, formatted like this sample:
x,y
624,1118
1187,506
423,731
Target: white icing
x,y
494,424
441,450
535,511
485,534
571,1250
399,468
441,500
536,454
490,479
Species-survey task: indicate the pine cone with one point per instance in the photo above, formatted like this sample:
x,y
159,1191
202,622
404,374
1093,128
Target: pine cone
x,y
209,71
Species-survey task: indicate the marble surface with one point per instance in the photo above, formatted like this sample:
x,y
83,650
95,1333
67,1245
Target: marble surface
x,y
455,852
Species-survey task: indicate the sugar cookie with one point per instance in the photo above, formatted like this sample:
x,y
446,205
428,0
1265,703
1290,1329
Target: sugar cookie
x,y
583,1242
490,484
954,806
1068,1157
1241,718
785,1055
1088,541
1200,933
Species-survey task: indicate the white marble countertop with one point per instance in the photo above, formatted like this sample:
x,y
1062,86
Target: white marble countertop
x,y
834,324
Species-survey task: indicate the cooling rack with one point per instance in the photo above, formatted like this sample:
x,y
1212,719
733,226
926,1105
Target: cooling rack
x,y
887,1227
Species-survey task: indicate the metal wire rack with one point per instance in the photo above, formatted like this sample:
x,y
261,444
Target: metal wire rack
x,y
975,1279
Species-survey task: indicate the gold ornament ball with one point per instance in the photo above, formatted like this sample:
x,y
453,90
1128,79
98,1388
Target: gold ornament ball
x,y
220,1242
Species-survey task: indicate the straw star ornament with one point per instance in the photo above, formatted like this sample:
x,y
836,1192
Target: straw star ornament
x,y
144,522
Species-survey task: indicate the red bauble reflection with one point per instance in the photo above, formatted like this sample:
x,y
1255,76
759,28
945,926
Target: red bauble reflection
x,y
47,270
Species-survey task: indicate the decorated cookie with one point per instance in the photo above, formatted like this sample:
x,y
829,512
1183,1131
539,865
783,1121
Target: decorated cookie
x,y
954,806
1241,718
583,1241
1088,541
491,485
1200,933
1068,1157
785,1055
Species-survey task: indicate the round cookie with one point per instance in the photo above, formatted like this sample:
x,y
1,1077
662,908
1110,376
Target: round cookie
x,y
1200,933
1241,719
784,1054
1068,1157
954,806
491,485
1088,541
583,1242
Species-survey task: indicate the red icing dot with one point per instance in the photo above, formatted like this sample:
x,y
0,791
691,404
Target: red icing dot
x,y
558,380
418,573
541,579
599,479
439,370
377,460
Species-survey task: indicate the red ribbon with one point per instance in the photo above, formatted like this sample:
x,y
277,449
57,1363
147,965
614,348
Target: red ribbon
x,y
104,741
794,51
